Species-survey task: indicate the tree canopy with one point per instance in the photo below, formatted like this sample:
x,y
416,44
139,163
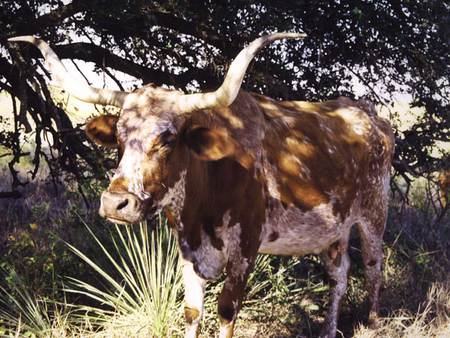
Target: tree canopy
x,y
387,46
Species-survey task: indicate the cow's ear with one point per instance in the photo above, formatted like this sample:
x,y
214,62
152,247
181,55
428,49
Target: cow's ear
x,y
102,130
209,144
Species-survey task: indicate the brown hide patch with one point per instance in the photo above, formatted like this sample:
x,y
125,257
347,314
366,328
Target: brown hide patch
x,y
210,144
314,153
226,314
191,315
444,179
372,262
214,188
210,223
377,169
236,130
102,130
170,217
333,251
119,184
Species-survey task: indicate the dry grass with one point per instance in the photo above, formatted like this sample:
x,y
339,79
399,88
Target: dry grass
x,y
432,319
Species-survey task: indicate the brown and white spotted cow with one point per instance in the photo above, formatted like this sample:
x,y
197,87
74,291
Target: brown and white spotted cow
x,y
240,174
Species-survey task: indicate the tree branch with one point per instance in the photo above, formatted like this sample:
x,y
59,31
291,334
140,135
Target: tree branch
x,y
60,13
102,57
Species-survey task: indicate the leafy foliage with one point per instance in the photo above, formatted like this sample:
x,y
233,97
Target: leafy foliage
x,y
387,46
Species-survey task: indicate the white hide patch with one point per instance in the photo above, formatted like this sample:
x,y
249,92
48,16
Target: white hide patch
x,y
226,330
299,233
208,260
231,237
272,185
194,287
174,197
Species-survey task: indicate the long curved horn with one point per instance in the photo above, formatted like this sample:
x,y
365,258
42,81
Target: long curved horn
x,y
227,92
76,88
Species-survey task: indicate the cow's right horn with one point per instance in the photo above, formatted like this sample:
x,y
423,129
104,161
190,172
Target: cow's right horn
x,y
76,88
227,92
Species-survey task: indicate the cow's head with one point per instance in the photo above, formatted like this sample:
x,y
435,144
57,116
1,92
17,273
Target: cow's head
x,y
154,146
155,134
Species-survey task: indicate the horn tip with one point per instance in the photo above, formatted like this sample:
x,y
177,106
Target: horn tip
x,y
25,38
296,35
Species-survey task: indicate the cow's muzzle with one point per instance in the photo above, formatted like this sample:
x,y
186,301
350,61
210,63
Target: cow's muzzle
x,y
121,207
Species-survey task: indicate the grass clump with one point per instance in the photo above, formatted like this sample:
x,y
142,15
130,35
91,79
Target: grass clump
x,y
137,295
142,292
19,309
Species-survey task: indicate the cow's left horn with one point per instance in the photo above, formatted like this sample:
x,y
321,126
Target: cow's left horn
x,y
227,92
77,88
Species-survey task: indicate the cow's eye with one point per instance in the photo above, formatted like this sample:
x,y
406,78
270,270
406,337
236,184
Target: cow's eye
x,y
167,139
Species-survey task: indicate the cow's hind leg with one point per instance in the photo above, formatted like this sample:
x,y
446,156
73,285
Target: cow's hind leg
x,y
372,255
194,289
337,263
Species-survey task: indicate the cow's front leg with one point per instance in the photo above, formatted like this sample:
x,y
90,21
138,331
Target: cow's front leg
x,y
194,290
230,299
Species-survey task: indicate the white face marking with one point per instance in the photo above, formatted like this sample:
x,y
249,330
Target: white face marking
x,y
158,126
131,169
138,134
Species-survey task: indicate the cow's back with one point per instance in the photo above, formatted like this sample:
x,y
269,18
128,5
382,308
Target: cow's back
x,y
320,160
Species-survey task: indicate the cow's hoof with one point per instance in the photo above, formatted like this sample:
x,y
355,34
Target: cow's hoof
x,y
374,321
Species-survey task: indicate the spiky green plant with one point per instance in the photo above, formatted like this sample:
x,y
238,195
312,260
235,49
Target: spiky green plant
x,y
145,298
19,310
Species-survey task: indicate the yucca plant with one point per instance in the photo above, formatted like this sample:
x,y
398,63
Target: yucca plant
x,y
20,311
145,299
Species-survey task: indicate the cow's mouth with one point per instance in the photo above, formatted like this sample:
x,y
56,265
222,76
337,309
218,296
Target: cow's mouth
x,y
118,220
121,207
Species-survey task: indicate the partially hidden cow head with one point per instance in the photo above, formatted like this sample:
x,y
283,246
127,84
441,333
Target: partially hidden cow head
x,y
154,133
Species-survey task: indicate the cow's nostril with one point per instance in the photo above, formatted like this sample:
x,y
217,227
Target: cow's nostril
x,y
122,204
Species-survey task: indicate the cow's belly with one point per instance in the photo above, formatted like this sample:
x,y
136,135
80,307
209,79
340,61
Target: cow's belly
x,y
293,232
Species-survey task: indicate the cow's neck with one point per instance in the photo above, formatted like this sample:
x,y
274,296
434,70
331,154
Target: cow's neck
x,y
219,197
